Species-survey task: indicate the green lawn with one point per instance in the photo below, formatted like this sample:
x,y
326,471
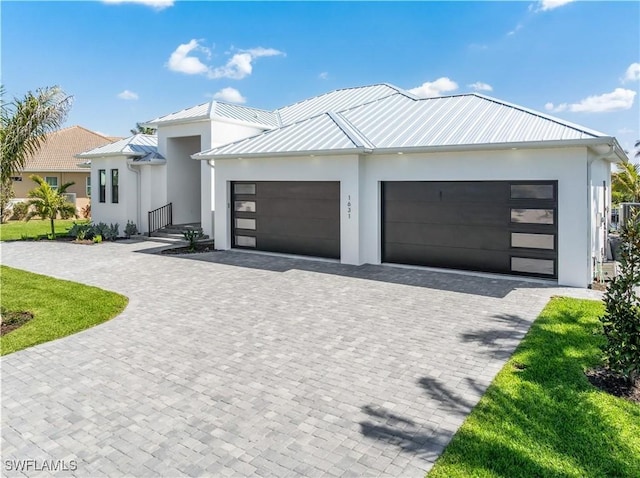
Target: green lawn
x,y
60,307
15,230
541,417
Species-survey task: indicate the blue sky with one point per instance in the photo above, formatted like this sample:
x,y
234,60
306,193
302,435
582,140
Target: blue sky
x,y
129,61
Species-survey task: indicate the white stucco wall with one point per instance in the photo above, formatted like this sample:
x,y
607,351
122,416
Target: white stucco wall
x,y
108,212
360,179
338,168
199,175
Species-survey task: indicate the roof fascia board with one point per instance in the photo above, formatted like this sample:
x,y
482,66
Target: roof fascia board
x,y
194,119
109,155
154,162
589,142
320,152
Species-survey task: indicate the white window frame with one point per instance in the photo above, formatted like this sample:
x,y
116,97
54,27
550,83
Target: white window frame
x,y
53,184
87,186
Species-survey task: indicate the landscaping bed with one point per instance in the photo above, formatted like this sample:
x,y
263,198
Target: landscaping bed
x,y
10,320
199,247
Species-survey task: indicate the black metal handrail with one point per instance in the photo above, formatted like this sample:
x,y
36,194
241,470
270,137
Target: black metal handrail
x,y
161,217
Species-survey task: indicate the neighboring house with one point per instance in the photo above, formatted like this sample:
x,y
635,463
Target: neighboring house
x,y
57,164
376,175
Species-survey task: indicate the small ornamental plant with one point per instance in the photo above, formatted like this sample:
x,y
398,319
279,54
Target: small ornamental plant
x,y
621,321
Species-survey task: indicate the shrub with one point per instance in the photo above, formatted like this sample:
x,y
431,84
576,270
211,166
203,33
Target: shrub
x,y
130,229
101,229
86,211
19,211
113,232
621,321
81,231
97,238
192,237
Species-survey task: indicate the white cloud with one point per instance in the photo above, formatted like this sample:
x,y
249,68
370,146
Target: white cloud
x,y
230,95
240,64
619,99
480,86
128,95
478,46
434,88
515,30
632,73
625,131
324,75
157,4
546,5
181,62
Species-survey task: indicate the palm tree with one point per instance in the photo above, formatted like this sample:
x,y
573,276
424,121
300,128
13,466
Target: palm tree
x,y
625,183
47,202
139,129
24,125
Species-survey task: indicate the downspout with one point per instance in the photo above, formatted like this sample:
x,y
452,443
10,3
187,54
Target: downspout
x,y
589,201
138,194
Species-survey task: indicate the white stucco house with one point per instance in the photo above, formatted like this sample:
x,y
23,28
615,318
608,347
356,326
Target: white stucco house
x,y
375,175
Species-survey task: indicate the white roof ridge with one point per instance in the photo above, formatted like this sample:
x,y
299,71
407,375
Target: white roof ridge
x,y
539,114
336,90
354,134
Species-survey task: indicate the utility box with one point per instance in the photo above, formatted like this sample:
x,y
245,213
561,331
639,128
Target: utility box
x,y
609,270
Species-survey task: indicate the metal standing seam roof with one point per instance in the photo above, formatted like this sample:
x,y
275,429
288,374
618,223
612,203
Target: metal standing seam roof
x,y
139,145
222,110
315,134
402,121
336,100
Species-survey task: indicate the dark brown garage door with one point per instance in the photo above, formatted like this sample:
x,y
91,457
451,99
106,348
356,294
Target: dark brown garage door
x,y
301,217
493,226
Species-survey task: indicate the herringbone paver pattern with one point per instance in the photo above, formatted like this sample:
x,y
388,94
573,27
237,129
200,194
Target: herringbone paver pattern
x,y
235,364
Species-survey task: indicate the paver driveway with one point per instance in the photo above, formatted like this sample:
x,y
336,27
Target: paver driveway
x,y
235,364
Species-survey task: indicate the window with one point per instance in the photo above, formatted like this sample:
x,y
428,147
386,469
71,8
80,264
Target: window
x,y
17,179
114,186
242,223
245,206
532,241
244,188
88,186
52,181
532,266
532,191
245,241
102,174
532,216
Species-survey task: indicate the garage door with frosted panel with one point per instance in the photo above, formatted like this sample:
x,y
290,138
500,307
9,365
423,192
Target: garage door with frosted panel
x,y
492,226
293,217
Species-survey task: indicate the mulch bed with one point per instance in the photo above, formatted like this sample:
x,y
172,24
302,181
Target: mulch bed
x,y
12,320
199,247
614,384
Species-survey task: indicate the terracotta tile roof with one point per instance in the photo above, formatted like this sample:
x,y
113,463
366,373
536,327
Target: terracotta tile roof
x,y
58,152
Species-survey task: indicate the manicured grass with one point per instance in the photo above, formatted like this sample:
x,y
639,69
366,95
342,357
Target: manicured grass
x,y
60,308
541,417
15,230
